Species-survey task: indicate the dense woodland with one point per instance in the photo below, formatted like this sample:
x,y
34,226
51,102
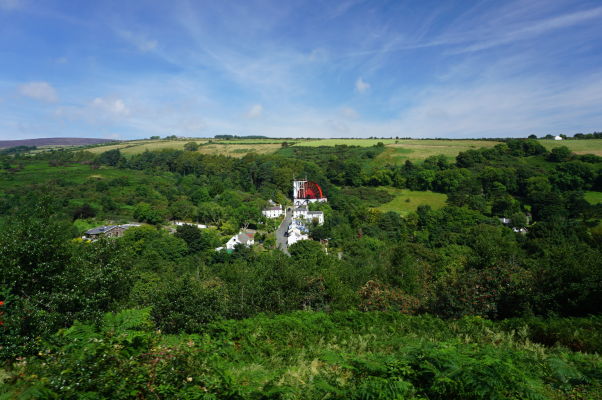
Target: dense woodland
x,y
441,303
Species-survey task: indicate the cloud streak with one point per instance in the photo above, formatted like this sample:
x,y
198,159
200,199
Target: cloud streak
x,y
41,91
361,86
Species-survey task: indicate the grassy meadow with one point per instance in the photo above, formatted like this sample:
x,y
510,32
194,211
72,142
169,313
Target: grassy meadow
x,y
417,150
396,151
140,146
239,150
589,146
348,142
407,201
593,197
37,172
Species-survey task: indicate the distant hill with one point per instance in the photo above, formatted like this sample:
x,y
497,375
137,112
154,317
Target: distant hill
x,y
53,142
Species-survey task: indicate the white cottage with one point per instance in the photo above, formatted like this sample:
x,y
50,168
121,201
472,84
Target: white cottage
x,y
309,216
273,212
295,235
245,238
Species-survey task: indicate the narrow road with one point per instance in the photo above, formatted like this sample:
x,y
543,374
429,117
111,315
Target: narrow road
x,y
281,238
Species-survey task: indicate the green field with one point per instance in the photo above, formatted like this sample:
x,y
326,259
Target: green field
x,y
593,197
140,146
416,150
589,146
348,142
239,150
233,148
396,151
407,201
40,172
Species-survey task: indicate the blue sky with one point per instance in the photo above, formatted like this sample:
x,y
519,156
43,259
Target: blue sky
x,y
459,69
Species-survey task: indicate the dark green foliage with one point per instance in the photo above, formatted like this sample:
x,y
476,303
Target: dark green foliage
x,y
111,157
305,356
559,154
192,236
17,149
83,212
49,282
191,146
145,212
187,304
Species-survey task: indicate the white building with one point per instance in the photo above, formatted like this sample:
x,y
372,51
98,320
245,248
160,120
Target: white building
x,y
297,231
309,216
557,137
295,235
246,238
273,212
180,223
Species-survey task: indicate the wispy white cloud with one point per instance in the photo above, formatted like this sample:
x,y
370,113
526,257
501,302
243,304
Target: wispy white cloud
x,y
42,91
140,41
349,113
11,4
98,111
477,32
114,107
361,86
531,29
254,111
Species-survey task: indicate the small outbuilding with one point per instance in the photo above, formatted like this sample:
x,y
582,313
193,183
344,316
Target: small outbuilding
x,y
107,231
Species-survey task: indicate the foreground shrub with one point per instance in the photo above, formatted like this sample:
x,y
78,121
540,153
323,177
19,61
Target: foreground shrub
x,y
303,355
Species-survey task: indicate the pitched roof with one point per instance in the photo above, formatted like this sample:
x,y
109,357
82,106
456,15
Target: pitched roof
x,y
100,229
107,228
246,237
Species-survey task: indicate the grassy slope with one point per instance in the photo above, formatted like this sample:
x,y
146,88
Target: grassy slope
x,y
402,206
593,146
234,148
140,146
396,151
416,150
239,150
40,172
593,197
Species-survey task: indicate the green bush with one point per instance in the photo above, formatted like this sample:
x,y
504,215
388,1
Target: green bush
x,y
303,355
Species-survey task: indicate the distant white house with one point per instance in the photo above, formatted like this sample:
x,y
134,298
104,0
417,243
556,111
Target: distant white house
x,y
557,137
295,235
309,216
246,238
180,223
273,212
297,231
298,224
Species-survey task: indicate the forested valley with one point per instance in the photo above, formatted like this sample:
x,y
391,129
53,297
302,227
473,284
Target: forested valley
x,y
495,295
